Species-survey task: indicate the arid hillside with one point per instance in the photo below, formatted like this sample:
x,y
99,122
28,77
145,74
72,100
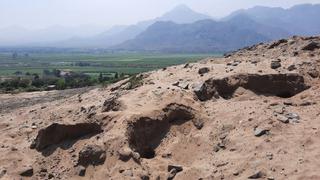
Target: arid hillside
x,y
254,114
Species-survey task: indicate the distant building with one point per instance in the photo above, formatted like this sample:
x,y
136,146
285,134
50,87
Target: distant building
x,y
64,73
51,87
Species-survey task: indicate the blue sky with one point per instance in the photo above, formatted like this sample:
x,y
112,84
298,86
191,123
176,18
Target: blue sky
x,y
45,13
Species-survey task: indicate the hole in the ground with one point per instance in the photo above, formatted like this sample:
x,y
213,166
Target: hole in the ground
x,y
148,153
58,133
280,85
146,134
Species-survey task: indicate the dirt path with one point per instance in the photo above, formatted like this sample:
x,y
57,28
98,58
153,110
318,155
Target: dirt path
x,y
10,102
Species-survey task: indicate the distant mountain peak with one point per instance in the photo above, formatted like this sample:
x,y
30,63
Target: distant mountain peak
x,y
182,7
183,14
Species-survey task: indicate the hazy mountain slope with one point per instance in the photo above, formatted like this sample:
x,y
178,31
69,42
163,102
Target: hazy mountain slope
x,y
202,36
299,20
180,14
84,36
18,36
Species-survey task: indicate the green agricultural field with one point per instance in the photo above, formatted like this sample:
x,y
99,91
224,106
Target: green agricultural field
x,y
91,63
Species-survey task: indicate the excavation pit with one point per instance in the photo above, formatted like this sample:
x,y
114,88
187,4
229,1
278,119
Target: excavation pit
x,y
146,134
280,85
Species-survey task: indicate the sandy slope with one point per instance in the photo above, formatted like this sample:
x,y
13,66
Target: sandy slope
x,y
240,119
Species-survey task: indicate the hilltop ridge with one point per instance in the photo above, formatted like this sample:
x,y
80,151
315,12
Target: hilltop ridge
x,y
251,114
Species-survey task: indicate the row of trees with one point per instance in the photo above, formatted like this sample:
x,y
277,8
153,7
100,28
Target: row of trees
x,y
53,80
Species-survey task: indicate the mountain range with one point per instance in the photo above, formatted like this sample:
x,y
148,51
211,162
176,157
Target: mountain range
x,y
183,30
119,34
239,29
202,36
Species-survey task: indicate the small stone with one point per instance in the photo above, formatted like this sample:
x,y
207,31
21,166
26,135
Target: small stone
x,y
235,64
176,167
270,156
166,155
43,170
216,148
222,164
136,156
259,132
236,173
81,171
50,176
2,172
172,174
203,70
125,154
256,175
198,123
274,104
291,67
173,170
221,145
282,119
279,110
184,85
275,64
27,172
293,117
254,61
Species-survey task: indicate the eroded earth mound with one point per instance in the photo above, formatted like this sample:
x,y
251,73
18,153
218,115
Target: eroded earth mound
x,y
253,114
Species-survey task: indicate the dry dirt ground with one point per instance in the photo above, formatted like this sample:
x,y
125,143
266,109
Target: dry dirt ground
x,y
253,114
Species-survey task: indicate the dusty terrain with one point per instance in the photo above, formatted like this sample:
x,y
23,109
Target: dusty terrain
x,y
253,114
